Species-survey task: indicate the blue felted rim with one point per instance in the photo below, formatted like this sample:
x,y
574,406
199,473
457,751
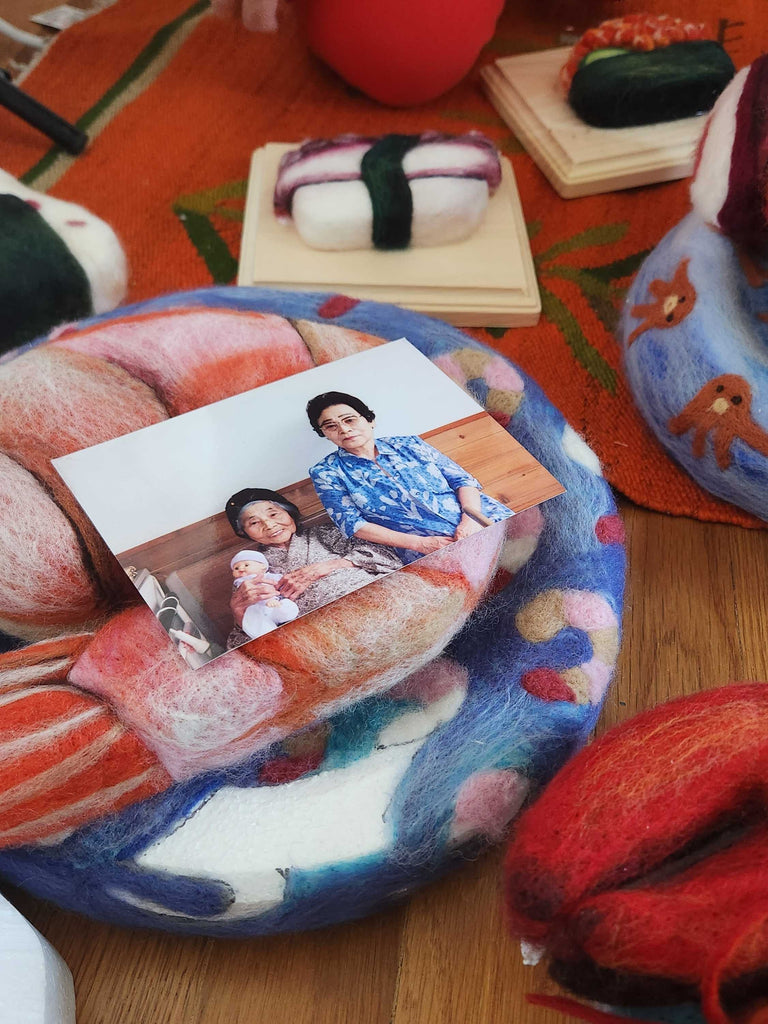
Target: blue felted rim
x,y
666,367
499,725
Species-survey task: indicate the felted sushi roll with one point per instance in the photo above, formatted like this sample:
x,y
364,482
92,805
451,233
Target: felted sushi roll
x,y
644,69
58,263
391,192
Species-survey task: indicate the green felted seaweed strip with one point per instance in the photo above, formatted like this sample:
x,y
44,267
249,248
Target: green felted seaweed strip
x,y
382,172
44,284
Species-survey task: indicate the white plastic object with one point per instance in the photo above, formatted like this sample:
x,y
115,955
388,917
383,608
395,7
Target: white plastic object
x,y
36,986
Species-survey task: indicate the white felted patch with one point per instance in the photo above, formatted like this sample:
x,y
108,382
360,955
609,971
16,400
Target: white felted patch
x,y
447,210
246,838
417,725
338,215
91,241
35,984
709,187
335,215
531,954
576,448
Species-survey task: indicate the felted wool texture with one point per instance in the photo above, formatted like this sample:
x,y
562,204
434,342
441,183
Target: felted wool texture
x,y
694,338
391,192
58,262
642,867
395,753
728,188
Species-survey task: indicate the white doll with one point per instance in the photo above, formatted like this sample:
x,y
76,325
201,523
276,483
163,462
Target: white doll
x,y
266,615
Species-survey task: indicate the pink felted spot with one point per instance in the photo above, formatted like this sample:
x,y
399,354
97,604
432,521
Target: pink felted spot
x,y
449,366
599,675
499,374
76,223
337,305
431,682
196,356
528,523
192,719
610,530
547,684
502,418
486,803
587,610
33,203
471,557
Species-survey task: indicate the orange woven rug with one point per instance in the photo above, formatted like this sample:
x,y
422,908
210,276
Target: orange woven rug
x,y
175,101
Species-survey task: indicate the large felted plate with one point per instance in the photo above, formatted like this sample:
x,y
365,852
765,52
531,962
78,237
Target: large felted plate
x,y
694,333
110,808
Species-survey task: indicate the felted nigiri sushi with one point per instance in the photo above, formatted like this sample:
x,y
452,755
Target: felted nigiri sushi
x,y
391,192
644,69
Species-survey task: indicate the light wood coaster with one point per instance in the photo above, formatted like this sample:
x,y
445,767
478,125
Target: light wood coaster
x,y
579,160
486,281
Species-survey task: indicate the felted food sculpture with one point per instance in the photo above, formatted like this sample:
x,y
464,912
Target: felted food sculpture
x,y
694,325
399,52
642,870
644,69
57,263
334,764
354,192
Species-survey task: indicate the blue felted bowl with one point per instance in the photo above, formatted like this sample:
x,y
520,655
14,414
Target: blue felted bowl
x,y
695,343
407,782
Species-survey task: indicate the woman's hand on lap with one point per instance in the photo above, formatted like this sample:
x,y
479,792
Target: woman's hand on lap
x,y
428,545
294,583
467,526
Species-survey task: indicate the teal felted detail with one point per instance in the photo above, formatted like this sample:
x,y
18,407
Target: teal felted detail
x,y
635,88
382,172
41,282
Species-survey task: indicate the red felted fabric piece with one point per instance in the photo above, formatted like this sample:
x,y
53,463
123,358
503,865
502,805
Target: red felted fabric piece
x,y
646,860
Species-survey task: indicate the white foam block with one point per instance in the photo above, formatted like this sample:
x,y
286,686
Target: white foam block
x,y
35,984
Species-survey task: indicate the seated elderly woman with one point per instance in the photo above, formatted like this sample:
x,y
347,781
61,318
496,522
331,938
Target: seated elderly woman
x,y
317,563
398,491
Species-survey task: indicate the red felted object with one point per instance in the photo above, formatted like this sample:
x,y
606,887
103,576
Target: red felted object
x,y
643,868
400,52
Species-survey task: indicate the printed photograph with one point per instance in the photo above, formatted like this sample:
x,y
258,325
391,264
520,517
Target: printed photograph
x,y
246,514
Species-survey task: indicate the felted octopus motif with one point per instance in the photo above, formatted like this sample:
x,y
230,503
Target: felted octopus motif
x,y
722,408
673,301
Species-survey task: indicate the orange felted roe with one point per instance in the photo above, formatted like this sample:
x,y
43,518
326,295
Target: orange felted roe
x,y
400,52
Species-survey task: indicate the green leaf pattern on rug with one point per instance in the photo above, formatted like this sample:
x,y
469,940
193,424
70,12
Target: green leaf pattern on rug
x,y
598,285
197,212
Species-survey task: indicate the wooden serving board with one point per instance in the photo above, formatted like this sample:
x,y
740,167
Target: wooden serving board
x,y
579,160
486,281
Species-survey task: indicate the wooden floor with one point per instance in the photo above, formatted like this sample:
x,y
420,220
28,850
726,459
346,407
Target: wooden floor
x,y
696,616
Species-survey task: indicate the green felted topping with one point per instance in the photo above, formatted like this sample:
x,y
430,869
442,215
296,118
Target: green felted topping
x,y
382,172
607,51
635,88
41,282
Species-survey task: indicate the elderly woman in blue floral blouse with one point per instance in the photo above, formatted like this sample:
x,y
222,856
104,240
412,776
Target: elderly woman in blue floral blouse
x,y
398,491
